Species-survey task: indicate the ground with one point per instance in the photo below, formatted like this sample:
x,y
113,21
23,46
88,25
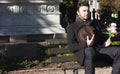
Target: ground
x,y
104,70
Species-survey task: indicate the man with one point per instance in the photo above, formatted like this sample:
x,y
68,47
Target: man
x,y
86,52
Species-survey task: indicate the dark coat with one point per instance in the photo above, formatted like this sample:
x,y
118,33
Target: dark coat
x,y
74,44
73,41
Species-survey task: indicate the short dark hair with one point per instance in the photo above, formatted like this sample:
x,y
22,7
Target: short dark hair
x,y
82,4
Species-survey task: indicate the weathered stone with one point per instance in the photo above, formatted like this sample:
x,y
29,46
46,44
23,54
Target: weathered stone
x,y
21,17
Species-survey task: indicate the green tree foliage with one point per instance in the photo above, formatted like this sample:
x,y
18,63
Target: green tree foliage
x,y
68,9
116,5
68,2
109,6
106,7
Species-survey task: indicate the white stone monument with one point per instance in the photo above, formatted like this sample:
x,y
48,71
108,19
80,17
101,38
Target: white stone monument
x,y
30,17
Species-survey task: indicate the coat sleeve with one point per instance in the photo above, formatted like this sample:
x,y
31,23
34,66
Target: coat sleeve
x,y
73,43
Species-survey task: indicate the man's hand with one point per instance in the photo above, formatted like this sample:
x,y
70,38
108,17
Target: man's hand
x,y
90,41
108,42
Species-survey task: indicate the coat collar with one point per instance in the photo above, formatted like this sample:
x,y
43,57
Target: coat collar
x,y
87,22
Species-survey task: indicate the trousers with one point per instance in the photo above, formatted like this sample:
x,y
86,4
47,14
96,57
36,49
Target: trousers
x,y
91,54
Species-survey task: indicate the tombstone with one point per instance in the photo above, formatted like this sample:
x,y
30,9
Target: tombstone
x,y
19,18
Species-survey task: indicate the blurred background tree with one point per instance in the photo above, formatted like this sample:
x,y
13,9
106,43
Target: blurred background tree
x,y
109,6
116,5
108,10
68,12
106,7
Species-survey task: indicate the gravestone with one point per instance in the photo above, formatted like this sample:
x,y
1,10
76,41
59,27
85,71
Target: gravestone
x,y
29,17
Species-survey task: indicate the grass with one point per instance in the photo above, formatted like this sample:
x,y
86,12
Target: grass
x,y
17,63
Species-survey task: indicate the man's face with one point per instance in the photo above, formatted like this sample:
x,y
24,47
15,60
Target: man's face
x,y
83,12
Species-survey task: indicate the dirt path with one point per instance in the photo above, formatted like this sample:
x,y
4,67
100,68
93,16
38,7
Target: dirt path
x,y
58,71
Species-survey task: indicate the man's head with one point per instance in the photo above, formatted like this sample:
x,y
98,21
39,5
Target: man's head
x,y
83,10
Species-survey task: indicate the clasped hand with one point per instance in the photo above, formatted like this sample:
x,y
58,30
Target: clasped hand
x,y
108,42
90,41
